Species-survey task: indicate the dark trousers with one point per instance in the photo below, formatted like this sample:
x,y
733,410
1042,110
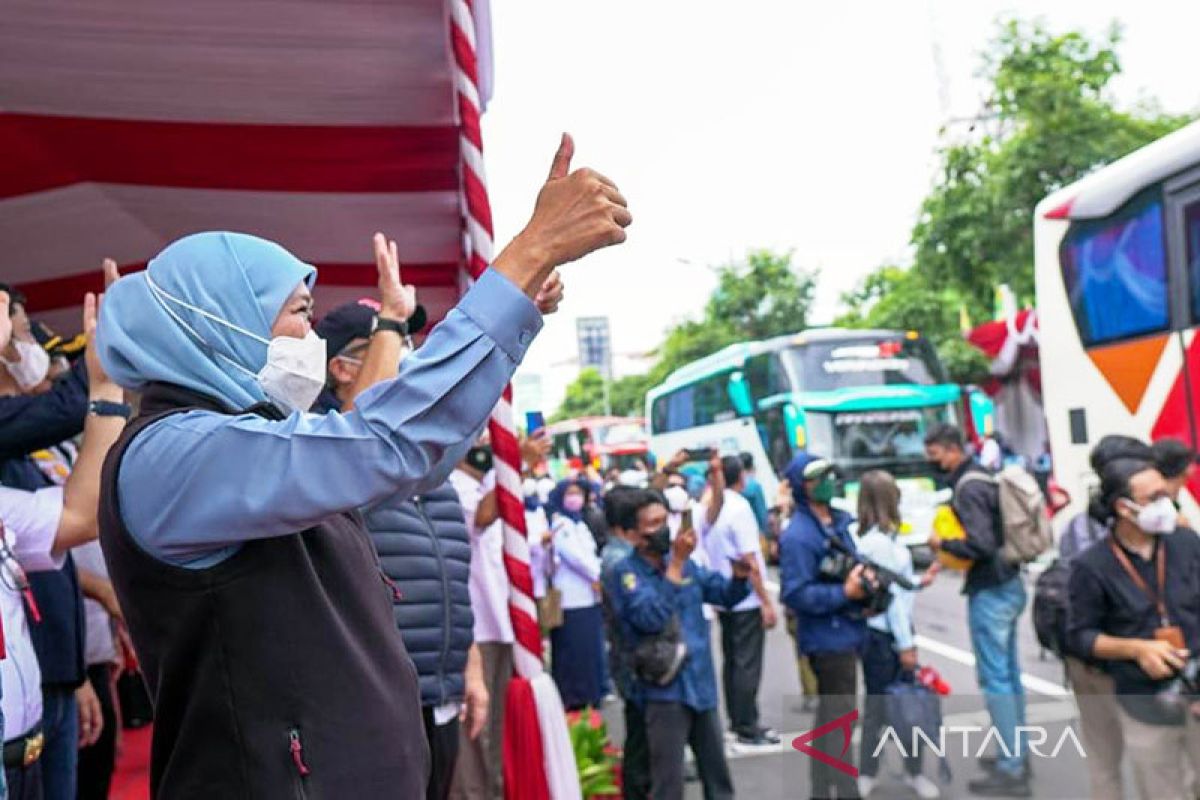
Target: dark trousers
x,y
669,728
881,668
24,783
837,684
743,641
443,754
96,763
60,758
635,761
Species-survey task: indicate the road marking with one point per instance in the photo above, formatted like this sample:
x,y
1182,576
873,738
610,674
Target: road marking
x,y
1032,683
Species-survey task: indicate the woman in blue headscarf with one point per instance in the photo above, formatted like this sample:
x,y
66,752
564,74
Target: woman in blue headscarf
x,y
577,646
252,591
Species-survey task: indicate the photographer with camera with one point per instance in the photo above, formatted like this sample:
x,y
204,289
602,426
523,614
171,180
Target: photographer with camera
x,y
828,608
1135,604
659,601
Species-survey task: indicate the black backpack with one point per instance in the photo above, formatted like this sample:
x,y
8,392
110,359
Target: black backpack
x,y
1050,608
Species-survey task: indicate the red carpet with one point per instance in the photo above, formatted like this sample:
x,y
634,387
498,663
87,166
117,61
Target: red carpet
x,y
132,778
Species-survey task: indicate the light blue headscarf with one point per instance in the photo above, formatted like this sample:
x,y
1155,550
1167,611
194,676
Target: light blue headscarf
x,y
239,278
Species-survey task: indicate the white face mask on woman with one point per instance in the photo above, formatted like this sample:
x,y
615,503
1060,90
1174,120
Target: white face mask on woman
x,y
1157,517
33,366
294,374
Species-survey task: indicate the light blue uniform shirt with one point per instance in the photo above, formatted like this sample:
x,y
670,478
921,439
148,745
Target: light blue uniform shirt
x,y
194,486
885,551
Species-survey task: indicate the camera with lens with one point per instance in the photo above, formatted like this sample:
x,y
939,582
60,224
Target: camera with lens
x,y
840,561
1184,688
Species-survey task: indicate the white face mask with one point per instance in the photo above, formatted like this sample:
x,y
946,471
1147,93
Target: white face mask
x,y
1157,517
33,366
294,374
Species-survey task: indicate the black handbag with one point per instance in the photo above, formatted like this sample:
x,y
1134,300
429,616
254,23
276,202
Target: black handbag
x,y
137,710
657,659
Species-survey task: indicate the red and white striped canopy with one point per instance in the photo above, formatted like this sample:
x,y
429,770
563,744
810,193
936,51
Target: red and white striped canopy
x,y
125,125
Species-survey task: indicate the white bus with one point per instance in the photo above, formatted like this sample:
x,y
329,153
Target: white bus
x,y
1118,292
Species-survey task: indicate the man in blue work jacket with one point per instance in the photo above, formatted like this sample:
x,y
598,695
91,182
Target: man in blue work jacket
x,y
655,585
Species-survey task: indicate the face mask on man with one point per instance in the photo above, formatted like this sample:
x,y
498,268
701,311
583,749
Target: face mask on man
x,y
659,542
824,491
33,366
294,374
1156,517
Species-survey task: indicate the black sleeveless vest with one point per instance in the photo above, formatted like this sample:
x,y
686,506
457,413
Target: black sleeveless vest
x,y
277,673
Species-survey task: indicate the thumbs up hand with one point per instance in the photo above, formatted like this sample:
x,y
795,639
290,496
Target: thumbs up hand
x,y
576,213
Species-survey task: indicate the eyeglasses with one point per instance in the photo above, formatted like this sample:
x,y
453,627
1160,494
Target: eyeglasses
x,y
13,577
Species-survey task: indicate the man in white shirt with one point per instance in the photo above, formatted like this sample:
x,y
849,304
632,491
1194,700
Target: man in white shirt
x,y
478,772
734,535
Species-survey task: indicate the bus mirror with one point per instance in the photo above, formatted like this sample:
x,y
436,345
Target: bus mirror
x,y
739,395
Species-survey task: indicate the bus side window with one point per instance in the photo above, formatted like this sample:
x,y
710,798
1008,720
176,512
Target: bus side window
x,y
765,375
1191,226
1118,263
772,429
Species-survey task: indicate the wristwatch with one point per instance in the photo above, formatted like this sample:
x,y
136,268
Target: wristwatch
x,y
399,326
107,408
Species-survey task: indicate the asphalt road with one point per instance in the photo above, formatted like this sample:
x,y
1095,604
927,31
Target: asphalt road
x,y
943,642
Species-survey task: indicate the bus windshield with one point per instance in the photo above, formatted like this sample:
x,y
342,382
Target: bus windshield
x,y
826,366
861,440
619,433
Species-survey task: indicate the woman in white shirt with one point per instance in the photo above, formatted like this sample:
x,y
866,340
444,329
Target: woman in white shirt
x,y
577,646
889,649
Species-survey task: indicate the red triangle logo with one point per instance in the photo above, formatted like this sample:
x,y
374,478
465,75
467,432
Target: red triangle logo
x,y
845,724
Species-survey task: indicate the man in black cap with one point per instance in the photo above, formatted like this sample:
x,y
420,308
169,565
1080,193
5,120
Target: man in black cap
x,y
423,543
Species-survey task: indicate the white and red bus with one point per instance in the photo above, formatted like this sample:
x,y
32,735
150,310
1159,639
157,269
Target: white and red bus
x,y
600,442
1118,286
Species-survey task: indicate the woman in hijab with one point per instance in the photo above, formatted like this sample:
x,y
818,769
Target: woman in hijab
x,y
577,646
252,591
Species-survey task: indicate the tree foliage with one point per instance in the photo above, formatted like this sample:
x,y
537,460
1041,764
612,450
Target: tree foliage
x,y
1049,122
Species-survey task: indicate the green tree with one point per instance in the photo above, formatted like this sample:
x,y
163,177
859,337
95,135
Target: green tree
x,y
584,397
1049,122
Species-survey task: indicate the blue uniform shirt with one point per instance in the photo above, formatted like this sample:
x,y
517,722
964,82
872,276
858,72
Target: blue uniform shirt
x,y
196,485
644,603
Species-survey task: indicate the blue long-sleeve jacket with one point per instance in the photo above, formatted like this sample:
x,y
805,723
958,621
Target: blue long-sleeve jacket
x,y
195,486
34,422
644,602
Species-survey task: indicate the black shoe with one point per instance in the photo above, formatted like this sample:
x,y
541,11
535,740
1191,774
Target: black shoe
x,y
998,784
761,739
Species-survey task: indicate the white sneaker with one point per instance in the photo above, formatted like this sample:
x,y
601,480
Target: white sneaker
x,y
925,788
866,785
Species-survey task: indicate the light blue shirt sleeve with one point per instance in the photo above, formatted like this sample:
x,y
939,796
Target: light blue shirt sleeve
x,y
196,485
898,619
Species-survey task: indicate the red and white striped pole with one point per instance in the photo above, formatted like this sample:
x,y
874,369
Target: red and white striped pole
x,y
538,759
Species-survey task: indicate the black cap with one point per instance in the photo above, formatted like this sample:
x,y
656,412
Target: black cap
x,y
16,296
356,320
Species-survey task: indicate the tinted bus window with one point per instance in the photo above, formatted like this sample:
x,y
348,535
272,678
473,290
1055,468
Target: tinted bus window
x,y
674,411
1191,221
1115,272
765,375
825,366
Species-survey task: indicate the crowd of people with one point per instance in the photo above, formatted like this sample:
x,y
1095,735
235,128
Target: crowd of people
x,y
291,533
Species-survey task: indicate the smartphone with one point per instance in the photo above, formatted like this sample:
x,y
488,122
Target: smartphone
x,y
534,422
685,521
700,453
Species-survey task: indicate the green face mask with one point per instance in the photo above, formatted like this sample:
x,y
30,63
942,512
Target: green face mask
x,y
824,491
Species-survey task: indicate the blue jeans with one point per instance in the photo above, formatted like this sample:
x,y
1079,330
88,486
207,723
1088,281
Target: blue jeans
x,y
60,758
993,615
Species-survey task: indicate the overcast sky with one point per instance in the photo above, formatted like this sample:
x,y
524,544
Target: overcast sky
x,y
801,126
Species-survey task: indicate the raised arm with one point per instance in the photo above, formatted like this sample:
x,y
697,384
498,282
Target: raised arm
x,y
81,494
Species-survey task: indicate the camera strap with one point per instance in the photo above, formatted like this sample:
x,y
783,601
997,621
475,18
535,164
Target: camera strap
x,y
1160,568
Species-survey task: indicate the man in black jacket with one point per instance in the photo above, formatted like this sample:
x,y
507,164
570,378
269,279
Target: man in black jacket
x,y
423,543
995,600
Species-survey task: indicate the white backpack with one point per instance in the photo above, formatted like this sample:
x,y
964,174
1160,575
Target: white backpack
x,y
1027,530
